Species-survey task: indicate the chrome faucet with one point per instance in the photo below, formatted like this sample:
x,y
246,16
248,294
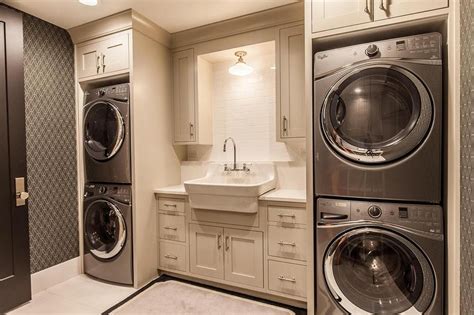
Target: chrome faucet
x,y
235,152
234,167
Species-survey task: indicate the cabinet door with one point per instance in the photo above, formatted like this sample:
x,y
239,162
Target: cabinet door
x,y
206,250
330,14
292,110
244,257
88,60
184,96
115,53
384,9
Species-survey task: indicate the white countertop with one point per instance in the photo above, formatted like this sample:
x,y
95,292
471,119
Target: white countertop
x,y
172,190
284,195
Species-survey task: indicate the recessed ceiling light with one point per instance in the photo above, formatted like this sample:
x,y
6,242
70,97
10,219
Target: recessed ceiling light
x,y
90,3
240,68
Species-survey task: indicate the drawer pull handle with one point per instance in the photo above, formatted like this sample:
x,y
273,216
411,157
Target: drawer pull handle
x,y
287,243
287,215
227,243
283,278
171,228
170,205
171,257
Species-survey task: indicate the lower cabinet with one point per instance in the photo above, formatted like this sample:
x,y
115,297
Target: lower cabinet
x,y
230,254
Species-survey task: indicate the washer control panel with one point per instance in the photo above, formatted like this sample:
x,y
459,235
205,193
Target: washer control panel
x,y
422,217
121,193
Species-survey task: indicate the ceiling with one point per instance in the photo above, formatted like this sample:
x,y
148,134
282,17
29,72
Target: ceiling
x,y
172,15
260,49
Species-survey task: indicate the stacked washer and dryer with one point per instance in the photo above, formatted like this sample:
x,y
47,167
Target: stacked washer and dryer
x,y
108,191
378,177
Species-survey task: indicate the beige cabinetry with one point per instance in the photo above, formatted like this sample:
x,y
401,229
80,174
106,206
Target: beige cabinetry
x,y
331,14
206,250
105,56
290,95
184,96
384,9
263,252
230,254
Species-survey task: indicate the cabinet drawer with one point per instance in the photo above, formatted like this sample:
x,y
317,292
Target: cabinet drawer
x,y
172,256
287,278
172,227
287,242
168,204
287,215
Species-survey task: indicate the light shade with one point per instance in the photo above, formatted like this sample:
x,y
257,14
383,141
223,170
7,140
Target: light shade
x,y
89,2
240,68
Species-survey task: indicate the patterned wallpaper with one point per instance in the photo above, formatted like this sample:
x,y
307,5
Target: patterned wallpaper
x,y
51,143
467,156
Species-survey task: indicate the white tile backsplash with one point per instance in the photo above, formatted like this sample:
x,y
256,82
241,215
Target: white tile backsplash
x,y
245,109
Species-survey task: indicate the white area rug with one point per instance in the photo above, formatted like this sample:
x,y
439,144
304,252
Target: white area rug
x,y
173,297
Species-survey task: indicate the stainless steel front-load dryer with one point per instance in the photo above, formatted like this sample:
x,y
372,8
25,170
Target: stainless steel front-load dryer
x,y
107,147
378,120
379,258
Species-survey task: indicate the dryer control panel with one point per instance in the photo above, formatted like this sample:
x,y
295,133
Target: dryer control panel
x,y
421,217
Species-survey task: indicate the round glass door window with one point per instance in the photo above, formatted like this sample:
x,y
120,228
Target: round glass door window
x,y
105,229
371,270
104,130
376,114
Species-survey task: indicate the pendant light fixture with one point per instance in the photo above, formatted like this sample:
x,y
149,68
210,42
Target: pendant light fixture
x,y
240,68
90,3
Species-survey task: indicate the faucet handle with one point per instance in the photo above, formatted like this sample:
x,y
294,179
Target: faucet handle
x,y
226,168
245,168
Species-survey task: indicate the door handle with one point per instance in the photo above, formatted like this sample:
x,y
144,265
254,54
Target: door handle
x,y
219,241
21,195
285,126
283,243
103,62
227,243
97,64
191,129
283,278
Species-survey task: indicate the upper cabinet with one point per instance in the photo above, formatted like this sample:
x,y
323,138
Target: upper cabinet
x,y
105,56
384,9
192,78
332,14
290,94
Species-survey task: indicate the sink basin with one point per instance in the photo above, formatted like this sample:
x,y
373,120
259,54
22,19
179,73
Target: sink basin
x,y
234,191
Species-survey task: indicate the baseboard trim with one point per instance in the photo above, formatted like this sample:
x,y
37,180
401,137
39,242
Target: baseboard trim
x,y
51,276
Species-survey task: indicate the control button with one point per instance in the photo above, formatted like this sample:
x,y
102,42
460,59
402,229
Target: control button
x,y
403,213
372,50
102,92
375,211
102,189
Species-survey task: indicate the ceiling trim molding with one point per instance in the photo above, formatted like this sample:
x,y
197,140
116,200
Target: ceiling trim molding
x,y
247,23
118,22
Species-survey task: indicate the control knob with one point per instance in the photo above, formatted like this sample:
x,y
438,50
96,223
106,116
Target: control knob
x,y
374,212
102,190
372,50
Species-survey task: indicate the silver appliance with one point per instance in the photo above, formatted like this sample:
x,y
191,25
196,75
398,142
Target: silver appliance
x,y
379,258
107,134
378,120
108,232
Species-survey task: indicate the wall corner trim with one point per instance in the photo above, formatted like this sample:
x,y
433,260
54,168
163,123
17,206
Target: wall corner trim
x,y
45,279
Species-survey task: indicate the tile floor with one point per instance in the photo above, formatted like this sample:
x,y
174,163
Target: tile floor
x,y
79,295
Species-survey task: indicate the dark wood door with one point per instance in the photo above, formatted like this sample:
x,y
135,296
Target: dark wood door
x,y
15,286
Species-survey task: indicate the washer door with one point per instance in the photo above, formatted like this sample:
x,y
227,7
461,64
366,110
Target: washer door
x,y
372,270
104,130
105,229
376,114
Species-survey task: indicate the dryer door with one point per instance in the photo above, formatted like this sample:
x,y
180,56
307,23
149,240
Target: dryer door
x,y
377,114
373,270
105,229
104,130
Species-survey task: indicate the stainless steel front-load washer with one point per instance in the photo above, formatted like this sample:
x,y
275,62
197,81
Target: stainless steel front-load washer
x,y
108,251
378,120
379,258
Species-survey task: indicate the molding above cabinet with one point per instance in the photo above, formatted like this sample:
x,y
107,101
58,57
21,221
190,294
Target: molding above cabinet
x,y
247,23
125,20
